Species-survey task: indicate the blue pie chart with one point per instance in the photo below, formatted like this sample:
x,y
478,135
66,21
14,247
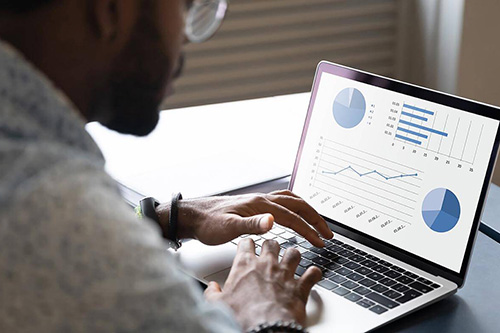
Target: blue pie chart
x,y
349,107
441,210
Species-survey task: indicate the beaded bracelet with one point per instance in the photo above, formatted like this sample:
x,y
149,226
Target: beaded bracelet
x,y
279,326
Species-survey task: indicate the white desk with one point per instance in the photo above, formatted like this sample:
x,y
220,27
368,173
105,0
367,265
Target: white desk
x,y
208,149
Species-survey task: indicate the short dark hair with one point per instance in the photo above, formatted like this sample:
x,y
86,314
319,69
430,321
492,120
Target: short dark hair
x,y
20,6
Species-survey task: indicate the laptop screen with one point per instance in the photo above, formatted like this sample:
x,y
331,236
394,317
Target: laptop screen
x,y
402,169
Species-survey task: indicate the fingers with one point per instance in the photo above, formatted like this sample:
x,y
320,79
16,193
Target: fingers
x,y
300,207
307,281
270,247
293,221
246,245
290,261
257,224
213,291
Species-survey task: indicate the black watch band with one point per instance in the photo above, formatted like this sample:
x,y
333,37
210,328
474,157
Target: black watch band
x,y
173,220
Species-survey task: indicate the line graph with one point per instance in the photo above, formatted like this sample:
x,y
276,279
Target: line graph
x,y
367,181
369,173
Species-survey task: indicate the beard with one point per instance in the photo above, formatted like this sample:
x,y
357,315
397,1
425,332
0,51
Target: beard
x,y
137,83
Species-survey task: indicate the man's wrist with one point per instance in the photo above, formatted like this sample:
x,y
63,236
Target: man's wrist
x,y
184,231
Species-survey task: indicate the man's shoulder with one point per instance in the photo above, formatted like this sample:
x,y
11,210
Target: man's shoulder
x,y
37,166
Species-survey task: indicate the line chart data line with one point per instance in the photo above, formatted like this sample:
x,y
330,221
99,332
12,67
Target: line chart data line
x,y
369,173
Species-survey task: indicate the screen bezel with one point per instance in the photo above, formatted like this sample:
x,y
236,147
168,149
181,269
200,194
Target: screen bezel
x,y
425,94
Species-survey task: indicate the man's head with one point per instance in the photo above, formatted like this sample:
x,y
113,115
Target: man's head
x,y
115,59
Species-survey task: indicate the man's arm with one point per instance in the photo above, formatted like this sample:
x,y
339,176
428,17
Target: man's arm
x,y
73,257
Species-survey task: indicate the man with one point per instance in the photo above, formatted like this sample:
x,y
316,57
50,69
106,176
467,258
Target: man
x,y
73,257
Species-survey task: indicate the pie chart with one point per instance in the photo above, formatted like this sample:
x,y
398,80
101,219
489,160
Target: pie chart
x,y
349,107
441,210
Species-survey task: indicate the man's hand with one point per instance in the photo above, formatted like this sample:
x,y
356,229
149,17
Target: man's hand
x,y
217,220
263,290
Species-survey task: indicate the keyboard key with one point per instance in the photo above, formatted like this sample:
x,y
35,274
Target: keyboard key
x,y
375,276
287,235
352,265
355,277
281,241
336,241
368,263
362,290
358,251
378,309
424,281
392,294
380,288
357,258
435,285
341,291
380,269
328,254
300,270
321,261
308,255
411,275
404,279
353,297
306,245
399,269
338,279
328,274
392,274
343,271
328,285
372,257
399,287
382,300
384,263
333,266
277,231
317,250
268,236
346,253
340,260
350,285
335,249
304,262
420,287
363,270
288,245
408,296
258,250
387,282
367,282
365,303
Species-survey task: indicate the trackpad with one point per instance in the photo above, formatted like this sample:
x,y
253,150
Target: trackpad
x,y
219,277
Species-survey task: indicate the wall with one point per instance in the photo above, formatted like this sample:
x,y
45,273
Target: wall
x,y
479,68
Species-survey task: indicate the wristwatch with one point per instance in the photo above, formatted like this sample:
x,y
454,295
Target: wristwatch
x,y
148,207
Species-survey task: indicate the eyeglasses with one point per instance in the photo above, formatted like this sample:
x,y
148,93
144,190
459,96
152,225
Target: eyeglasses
x,y
204,18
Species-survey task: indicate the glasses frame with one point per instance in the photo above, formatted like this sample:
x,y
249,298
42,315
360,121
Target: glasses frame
x,y
194,16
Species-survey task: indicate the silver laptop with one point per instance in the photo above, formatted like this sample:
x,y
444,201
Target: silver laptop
x,y
400,173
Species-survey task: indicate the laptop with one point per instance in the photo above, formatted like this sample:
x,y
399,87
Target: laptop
x,y
400,173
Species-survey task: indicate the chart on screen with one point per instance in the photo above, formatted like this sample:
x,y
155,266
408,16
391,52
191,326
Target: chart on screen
x,y
388,165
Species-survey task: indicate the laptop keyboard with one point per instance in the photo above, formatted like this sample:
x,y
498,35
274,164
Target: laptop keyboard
x,y
348,272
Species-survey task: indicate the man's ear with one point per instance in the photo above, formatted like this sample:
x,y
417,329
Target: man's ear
x,y
113,19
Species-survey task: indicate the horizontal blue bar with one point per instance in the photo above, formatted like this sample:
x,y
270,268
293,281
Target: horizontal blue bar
x,y
412,132
418,109
413,116
432,130
408,139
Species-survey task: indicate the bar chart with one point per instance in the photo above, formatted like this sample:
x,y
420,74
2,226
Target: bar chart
x,y
441,133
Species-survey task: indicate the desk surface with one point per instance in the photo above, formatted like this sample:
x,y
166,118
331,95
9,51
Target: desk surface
x,y
474,307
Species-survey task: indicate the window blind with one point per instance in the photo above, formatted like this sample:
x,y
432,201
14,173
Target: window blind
x,y
271,47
